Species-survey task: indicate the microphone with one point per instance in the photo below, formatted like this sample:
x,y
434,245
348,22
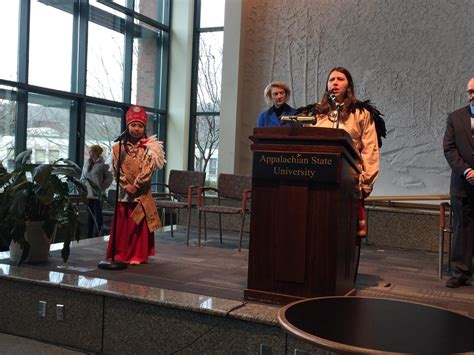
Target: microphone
x,y
121,136
333,100
334,115
332,97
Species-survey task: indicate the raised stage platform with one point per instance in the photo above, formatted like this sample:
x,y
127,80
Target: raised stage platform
x,y
186,300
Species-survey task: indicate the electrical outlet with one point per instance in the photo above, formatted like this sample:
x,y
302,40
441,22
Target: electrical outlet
x,y
41,309
60,312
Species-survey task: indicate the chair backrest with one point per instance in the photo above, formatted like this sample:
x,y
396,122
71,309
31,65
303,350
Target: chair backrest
x,y
231,185
180,180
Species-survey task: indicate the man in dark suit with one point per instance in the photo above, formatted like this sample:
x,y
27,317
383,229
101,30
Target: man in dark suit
x,y
458,145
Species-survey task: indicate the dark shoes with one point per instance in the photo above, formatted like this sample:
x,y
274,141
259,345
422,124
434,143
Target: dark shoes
x,y
454,282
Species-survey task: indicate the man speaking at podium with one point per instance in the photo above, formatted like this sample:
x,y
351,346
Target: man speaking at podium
x,y
276,94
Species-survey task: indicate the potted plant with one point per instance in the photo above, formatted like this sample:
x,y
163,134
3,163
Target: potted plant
x,y
37,200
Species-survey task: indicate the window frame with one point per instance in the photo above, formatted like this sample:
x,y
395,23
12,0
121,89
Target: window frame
x,y
77,92
194,81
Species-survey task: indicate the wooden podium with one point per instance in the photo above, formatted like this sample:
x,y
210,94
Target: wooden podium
x,y
304,214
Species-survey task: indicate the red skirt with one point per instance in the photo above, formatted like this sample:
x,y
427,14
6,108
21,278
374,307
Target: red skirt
x,y
361,225
133,242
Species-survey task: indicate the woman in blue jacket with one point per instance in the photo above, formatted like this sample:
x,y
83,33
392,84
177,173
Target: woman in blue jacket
x,y
276,95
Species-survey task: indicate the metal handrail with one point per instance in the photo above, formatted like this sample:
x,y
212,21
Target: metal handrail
x,y
445,225
408,198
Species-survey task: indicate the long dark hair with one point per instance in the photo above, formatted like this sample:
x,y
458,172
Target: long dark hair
x,y
325,105
127,137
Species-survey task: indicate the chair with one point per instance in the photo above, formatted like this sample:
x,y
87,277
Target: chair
x,y
83,210
181,187
445,228
230,187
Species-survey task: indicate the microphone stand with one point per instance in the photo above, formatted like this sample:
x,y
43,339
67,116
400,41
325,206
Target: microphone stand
x,y
115,264
338,109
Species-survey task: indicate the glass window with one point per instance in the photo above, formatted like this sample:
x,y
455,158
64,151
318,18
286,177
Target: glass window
x,y
48,124
155,9
39,156
206,141
8,106
51,44
213,168
9,16
151,123
212,13
105,7
147,59
103,126
61,57
9,163
53,155
159,122
207,66
210,72
105,54
119,2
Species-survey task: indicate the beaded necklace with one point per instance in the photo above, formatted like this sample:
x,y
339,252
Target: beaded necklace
x,y
133,149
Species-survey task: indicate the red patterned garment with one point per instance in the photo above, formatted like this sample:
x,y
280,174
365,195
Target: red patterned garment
x,y
130,244
361,226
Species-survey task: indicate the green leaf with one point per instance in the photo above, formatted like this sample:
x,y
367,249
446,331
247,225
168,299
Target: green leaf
x,y
51,195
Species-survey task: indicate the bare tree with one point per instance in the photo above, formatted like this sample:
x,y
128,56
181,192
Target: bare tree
x,y
206,139
208,102
7,128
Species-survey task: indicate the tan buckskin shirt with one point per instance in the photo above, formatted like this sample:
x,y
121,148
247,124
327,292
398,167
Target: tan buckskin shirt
x,y
361,128
137,169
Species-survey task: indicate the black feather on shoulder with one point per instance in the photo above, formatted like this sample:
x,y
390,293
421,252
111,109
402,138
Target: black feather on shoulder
x,y
309,110
315,109
376,116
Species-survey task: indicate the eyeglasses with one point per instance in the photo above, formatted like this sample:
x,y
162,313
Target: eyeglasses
x,y
470,91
